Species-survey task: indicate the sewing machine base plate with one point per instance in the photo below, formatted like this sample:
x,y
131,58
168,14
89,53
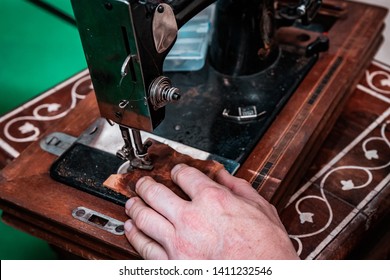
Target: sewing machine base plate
x,y
87,168
91,158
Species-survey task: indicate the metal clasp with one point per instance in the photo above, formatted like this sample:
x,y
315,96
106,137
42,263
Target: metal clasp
x,y
99,220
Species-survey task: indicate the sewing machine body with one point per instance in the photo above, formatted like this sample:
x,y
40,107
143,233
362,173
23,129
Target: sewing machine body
x,y
225,108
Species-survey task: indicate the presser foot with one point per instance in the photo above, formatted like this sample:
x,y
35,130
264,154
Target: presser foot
x,y
133,162
136,163
134,152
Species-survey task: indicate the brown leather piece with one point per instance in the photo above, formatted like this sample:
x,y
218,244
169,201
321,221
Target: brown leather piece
x,y
164,159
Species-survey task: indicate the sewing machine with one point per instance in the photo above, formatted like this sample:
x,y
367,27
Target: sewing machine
x,y
273,84
222,110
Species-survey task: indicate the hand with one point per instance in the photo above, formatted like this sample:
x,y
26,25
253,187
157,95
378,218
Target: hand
x,y
225,219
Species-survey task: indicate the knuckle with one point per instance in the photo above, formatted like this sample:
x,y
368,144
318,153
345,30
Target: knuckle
x,y
212,191
185,171
268,208
132,235
141,217
134,206
191,219
216,194
147,249
149,190
153,192
143,183
242,182
274,210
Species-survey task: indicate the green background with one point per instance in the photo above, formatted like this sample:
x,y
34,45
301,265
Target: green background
x,y
37,51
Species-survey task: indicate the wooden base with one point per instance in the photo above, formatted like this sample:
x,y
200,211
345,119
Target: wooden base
x,y
35,203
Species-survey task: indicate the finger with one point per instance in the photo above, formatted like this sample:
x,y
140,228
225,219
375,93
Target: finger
x,y
159,197
238,186
191,180
149,221
144,245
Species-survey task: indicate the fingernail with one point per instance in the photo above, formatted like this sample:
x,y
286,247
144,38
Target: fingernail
x,y
128,225
140,181
129,203
177,167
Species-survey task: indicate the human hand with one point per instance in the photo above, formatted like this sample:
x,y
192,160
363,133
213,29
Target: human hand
x,y
225,219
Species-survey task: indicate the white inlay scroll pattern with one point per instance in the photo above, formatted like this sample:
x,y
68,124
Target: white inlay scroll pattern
x,y
28,132
363,175
379,81
347,184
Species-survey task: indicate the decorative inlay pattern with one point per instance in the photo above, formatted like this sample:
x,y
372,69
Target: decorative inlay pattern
x,y
348,181
25,124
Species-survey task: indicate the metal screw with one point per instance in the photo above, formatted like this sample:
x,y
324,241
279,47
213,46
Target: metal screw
x,y
80,213
119,228
160,9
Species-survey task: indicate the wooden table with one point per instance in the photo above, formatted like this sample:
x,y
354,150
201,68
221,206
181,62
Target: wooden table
x,y
34,203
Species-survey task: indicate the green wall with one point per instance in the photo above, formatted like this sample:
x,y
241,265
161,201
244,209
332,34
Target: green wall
x,y
37,51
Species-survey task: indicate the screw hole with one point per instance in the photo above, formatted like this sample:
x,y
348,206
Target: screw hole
x,y
108,6
303,37
80,213
119,228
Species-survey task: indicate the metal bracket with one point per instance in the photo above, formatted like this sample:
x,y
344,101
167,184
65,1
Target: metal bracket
x,y
57,143
99,220
244,114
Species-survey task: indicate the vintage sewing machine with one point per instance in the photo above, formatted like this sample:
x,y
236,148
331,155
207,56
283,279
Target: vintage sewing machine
x,y
275,79
225,108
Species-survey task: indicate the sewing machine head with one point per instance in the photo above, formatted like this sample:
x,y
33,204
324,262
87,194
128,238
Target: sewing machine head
x,y
125,43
